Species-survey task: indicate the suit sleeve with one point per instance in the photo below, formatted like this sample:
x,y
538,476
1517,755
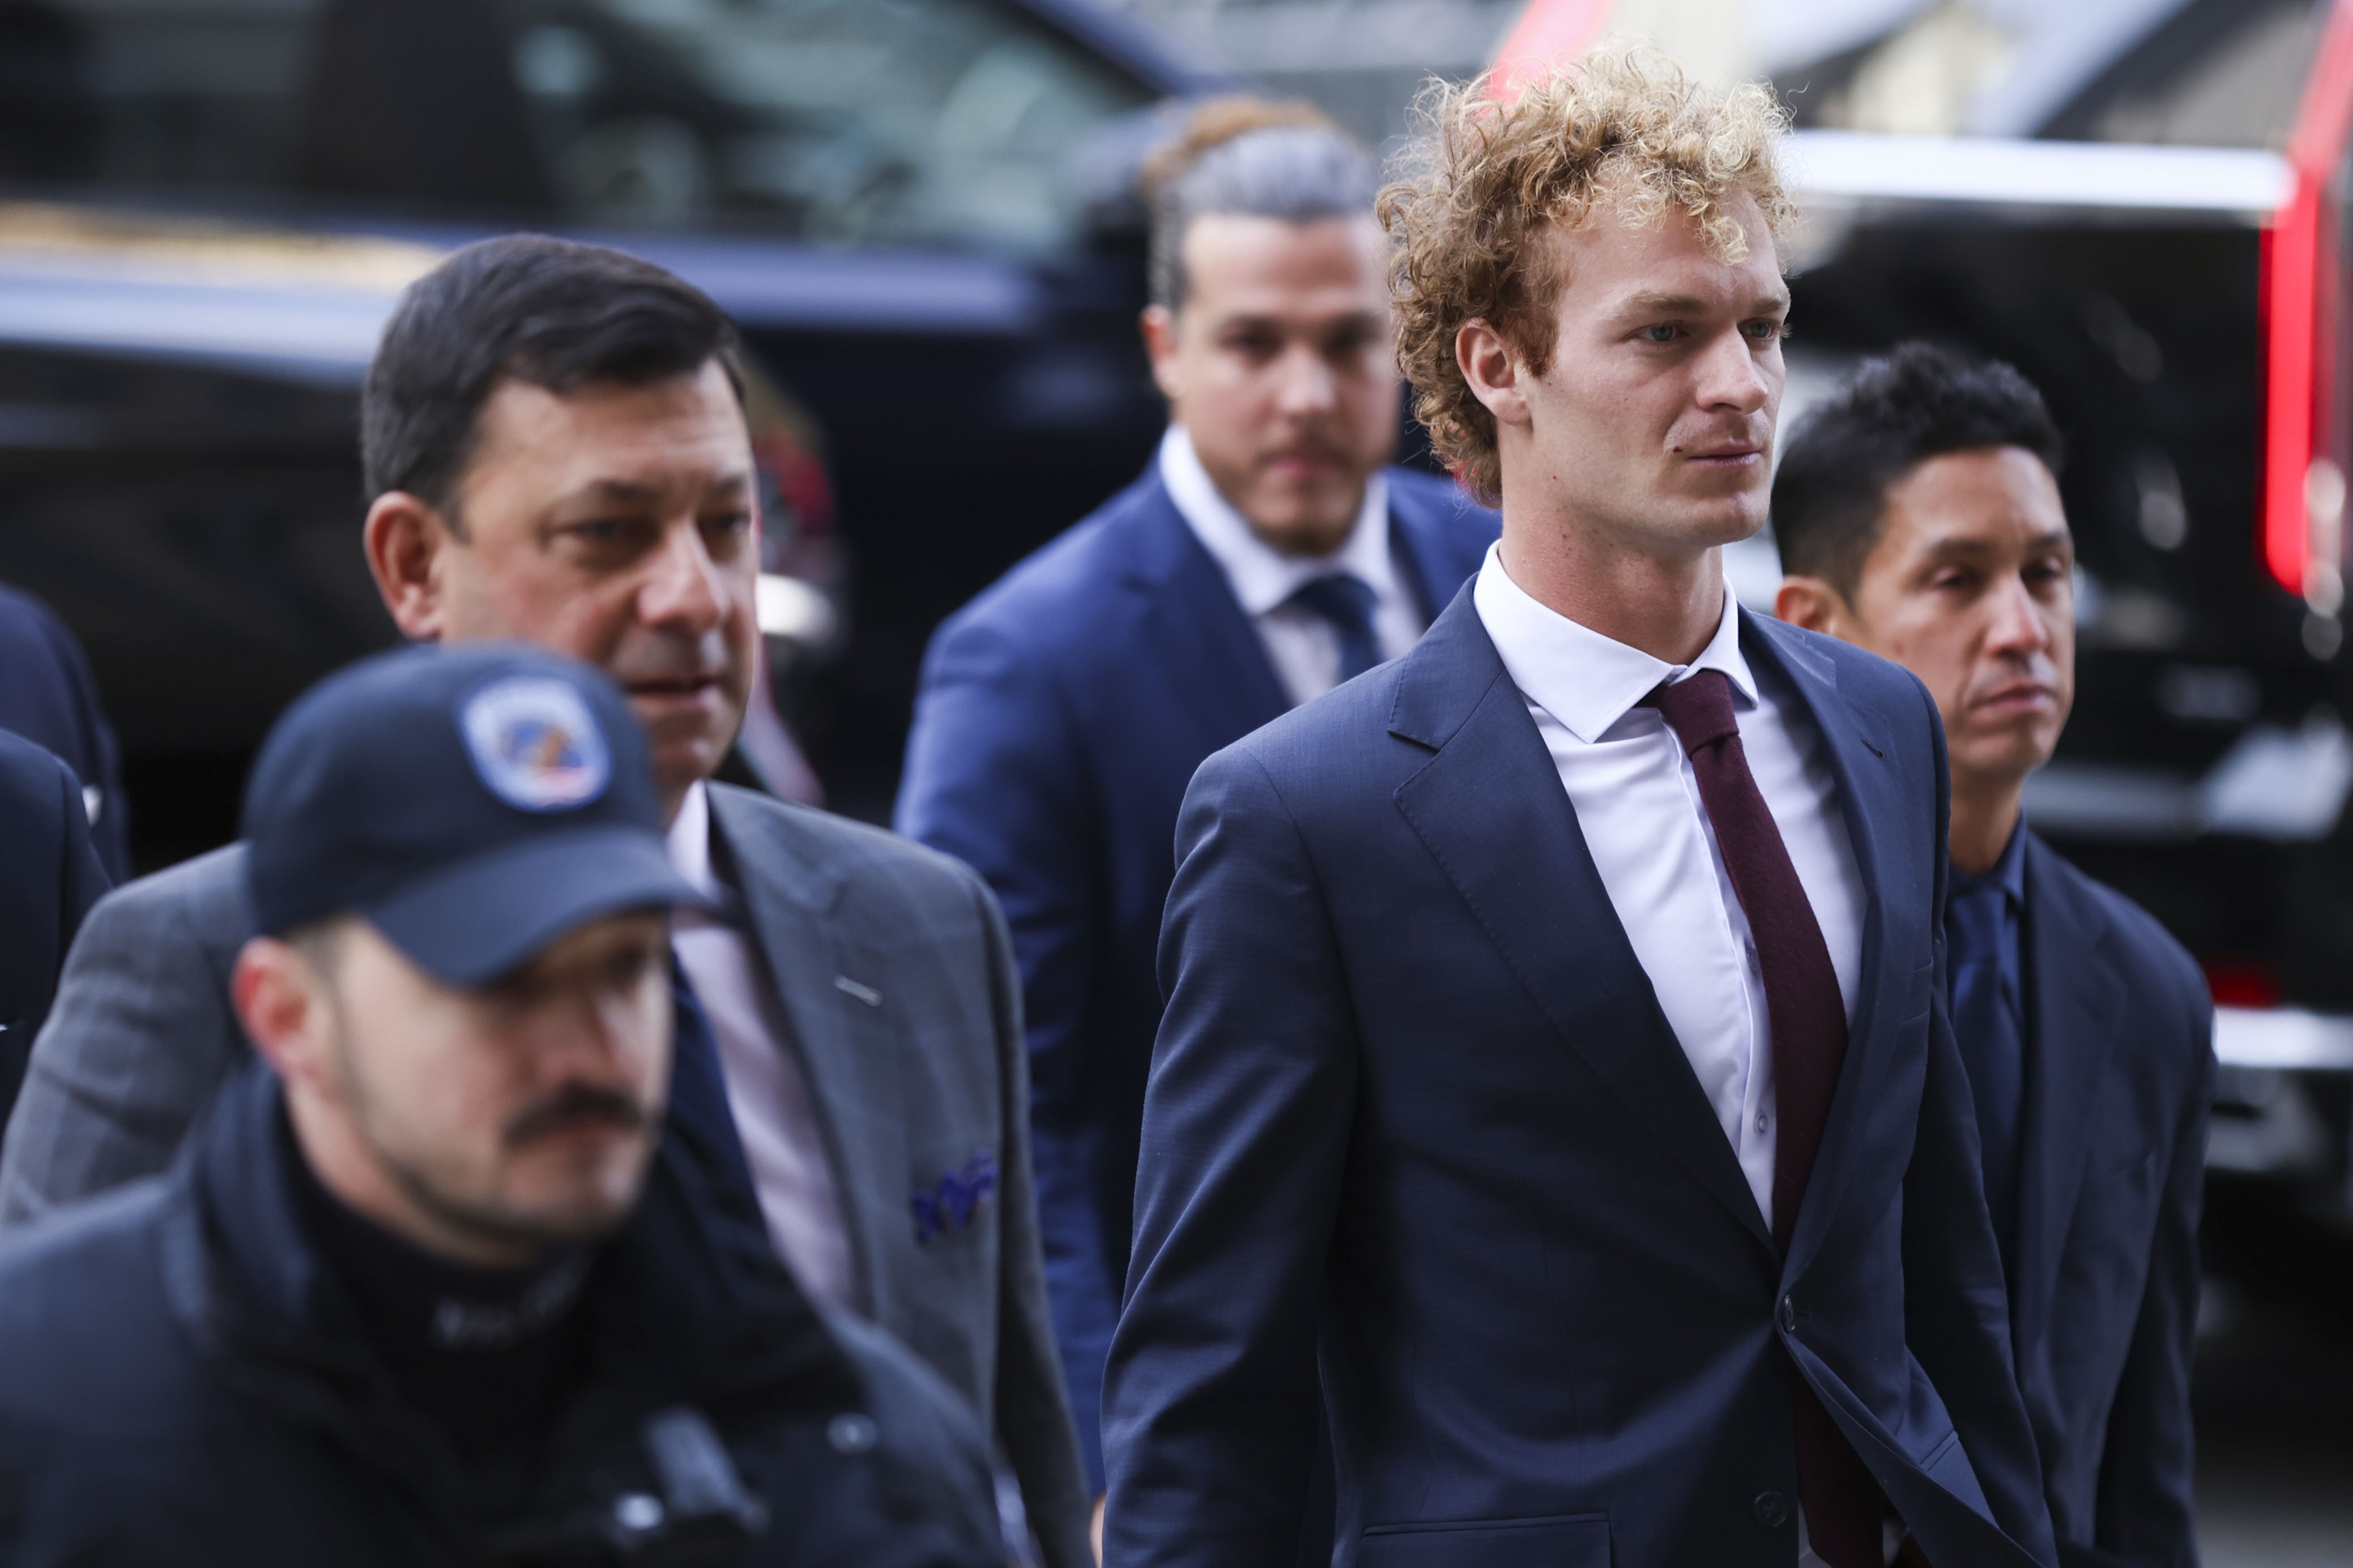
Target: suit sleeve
x,y
1211,1399
139,1037
1033,1414
2145,1514
994,778
1956,1303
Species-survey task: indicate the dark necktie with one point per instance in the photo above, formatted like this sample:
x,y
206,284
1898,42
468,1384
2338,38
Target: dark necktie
x,y
698,1097
1807,1019
1993,1045
1347,603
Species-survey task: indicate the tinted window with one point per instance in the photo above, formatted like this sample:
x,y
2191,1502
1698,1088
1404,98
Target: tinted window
x,y
907,121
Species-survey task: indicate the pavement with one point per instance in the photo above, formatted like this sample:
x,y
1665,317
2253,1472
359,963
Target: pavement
x,y
2274,1389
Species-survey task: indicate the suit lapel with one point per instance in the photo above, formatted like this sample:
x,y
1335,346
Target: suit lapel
x,y
2074,994
1490,808
789,901
1868,793
1221,672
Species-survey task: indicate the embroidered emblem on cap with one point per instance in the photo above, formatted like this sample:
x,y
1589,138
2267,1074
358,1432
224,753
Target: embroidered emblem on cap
x,y
535,744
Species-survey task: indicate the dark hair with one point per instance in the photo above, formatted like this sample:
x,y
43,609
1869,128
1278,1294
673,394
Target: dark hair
x,y
1894,414
1253,158
528,308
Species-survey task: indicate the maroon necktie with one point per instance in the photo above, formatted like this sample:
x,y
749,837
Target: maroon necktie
x,y
1809,1032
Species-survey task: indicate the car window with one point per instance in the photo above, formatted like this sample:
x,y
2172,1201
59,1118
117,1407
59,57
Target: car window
x,y
851,121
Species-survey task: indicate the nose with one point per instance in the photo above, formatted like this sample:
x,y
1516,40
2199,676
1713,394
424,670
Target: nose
x,y
683,586
1731,375
2018,629
1304,387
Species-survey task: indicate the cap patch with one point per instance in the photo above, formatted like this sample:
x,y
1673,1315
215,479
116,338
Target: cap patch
x,y
535,744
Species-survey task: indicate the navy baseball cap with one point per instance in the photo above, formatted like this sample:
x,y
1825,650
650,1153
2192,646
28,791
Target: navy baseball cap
x,y
474,804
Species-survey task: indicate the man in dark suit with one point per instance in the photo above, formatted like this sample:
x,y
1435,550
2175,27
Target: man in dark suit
x,y
50,877
557,448
1553,1069
49,697
1267,555
1918,516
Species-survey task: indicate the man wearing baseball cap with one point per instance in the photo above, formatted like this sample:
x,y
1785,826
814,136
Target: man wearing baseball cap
x,y
444,1276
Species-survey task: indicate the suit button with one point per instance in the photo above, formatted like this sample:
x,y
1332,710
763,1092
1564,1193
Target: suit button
x,y
1788,1315
1771,1509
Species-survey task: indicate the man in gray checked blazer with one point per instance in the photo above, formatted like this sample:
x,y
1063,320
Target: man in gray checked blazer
x,y
559,455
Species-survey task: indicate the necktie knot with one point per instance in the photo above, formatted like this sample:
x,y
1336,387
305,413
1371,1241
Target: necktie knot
x,y
1346,602
1697,708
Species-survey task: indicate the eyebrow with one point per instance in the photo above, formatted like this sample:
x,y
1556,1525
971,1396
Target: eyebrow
x,y
629,493
1978,547
1648,303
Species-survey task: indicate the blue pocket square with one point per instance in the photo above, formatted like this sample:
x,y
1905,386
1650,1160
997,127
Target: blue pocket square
x,y
951,1205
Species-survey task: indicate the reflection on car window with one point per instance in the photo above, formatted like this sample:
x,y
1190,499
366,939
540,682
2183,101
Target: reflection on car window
x,y
854,120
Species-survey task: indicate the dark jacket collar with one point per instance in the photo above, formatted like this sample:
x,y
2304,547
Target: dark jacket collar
x,y
685,1305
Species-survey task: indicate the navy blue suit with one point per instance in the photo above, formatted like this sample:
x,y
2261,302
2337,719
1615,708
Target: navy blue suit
x,y
2119,1074
50,877
49,697
1415,1114
1062,715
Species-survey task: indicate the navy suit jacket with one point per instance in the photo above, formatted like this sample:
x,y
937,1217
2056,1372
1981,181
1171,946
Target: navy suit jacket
x,y
1061,714
1415,1112
50,877
49,697
2120,1072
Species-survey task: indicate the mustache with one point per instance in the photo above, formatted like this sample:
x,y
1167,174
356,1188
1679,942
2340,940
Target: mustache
x,y
575,1105
671,658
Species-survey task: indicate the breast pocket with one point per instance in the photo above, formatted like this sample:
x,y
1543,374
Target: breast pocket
x,y
1568,1541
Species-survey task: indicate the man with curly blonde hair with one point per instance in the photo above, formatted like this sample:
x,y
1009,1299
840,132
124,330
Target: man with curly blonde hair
x,y
1553,1057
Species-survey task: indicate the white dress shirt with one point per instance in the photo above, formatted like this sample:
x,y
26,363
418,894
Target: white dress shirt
x,y
1638,803
774,1119
1303,647
1639,806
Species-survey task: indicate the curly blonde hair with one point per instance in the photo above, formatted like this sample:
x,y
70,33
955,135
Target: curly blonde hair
x,y
1490,180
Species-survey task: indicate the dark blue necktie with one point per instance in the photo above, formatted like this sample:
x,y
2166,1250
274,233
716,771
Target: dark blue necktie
x,y
1986,1019
698,1097
1347,603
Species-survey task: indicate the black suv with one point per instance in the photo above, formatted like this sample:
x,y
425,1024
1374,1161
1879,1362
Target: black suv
x,y
912,206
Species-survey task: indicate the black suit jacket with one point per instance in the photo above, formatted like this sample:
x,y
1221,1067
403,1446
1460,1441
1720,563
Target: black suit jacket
x,y
1415,1114
2120,1071
50,877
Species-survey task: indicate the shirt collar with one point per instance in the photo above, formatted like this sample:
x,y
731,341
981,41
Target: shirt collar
x,y
689,841
1263,578
1585,681
2008,873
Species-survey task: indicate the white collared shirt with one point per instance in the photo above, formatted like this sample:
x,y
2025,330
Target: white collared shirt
x,y
1638,803
1303,647
775,1119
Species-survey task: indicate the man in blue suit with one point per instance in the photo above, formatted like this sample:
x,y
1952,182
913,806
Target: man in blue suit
x,y
1267,555
1554,1072
49,697
1917,516
50,877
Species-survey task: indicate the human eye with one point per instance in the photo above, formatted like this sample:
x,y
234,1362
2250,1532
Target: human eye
x,y
1661,332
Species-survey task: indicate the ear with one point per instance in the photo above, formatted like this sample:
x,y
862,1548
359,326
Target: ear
x,y
1158,323
1811,603
1492,370
282,1001
404,539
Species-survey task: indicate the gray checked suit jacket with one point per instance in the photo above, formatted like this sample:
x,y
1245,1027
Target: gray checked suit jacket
x,y
897,976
